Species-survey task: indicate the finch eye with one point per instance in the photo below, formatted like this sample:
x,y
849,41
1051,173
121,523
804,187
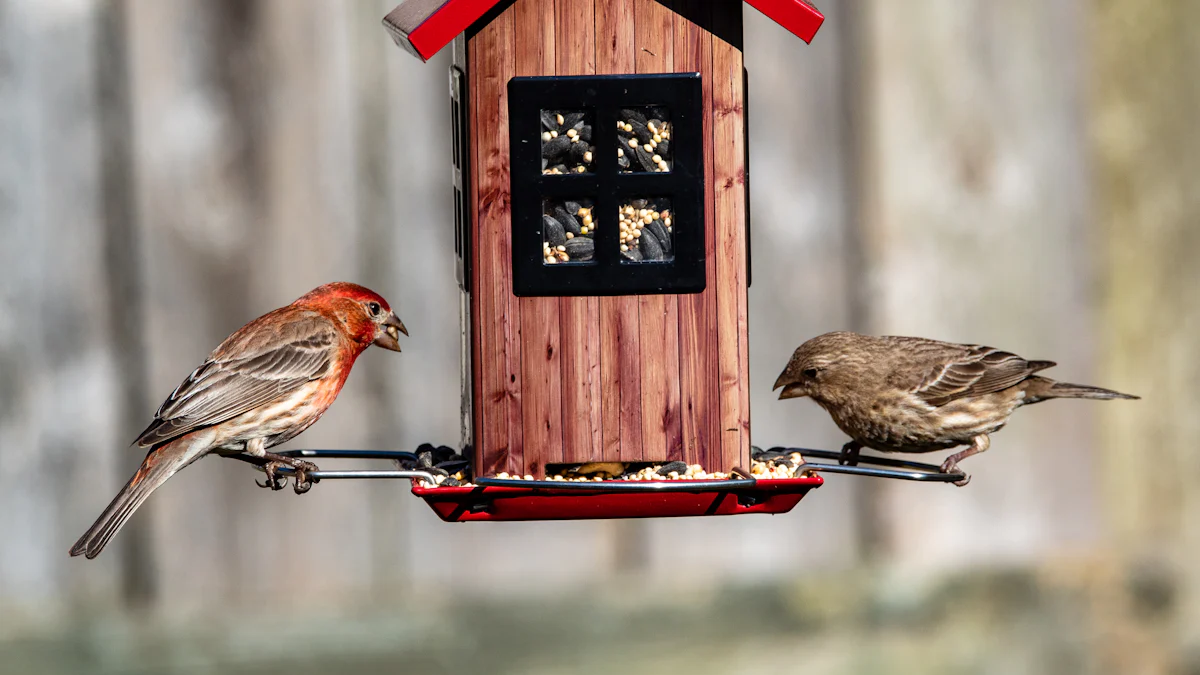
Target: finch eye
x,y
374,308
810,373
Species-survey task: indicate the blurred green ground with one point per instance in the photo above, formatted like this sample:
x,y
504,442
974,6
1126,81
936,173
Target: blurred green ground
x,y
1017,622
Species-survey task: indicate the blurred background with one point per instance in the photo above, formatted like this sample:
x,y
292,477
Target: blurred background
x,y
1024,174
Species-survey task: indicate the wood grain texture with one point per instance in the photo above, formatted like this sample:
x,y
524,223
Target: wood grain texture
x,y
700,415
662,434
582,407
541,355
620,339
498,323
730,211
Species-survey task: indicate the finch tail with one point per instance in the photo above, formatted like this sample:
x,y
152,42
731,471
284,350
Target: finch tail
x,y
160,464
1042,388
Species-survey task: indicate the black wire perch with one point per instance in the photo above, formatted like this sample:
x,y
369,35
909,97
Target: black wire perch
x,y
875,467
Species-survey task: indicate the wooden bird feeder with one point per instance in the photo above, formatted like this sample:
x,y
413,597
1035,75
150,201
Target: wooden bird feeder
x,y
602,234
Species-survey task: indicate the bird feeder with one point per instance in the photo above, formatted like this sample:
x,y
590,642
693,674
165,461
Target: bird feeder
x,y
602,234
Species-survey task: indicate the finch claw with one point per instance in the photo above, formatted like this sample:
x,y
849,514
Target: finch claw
x,y
304,482
950,466
274,480
849,454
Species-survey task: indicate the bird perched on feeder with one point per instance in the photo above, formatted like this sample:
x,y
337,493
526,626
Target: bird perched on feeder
x,y
263,385
907,394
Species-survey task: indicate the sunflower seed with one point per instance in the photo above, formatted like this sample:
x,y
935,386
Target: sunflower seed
x,y
569,223
644,158
678,467
581,248
552,232
633,116
660,232
643,134
554,147
651,249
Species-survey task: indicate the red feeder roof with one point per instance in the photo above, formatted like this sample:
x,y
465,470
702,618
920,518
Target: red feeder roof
x,y
423,27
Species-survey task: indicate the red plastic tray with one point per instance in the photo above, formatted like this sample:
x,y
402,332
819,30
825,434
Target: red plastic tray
x,y
488,503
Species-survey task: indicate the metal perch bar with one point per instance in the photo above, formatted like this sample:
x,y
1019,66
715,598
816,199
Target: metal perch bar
x,y
899,469
919,471
352,473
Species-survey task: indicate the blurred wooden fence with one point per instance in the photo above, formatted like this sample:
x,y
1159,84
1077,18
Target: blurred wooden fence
x,y
171,169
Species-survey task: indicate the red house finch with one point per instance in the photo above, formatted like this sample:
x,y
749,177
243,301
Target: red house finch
x,y
266,383
906,394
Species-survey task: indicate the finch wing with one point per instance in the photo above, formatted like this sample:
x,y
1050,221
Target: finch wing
x,y
263,361
974,371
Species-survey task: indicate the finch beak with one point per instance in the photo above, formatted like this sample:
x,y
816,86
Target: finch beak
x,y
390,337
790,390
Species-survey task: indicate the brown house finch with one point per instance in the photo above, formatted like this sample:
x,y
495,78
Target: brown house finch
x,y
906,394
266,383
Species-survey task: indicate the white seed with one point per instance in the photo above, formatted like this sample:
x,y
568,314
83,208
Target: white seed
x,y
633,143
628,127
637,233
648,147
571,133
624,247
583,211
667,221
546,136
571,235
587,157
620,152
559,119
674,475
551,261
553,134
582,230
587,219
657,159
657,138
651,127
561,248
620,125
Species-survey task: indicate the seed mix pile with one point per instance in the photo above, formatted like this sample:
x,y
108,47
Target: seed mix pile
x,y
643,141
568,232
646,230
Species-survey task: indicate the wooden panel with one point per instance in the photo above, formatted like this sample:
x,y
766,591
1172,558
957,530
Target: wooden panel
x,y
541,395
662,435
730,210
620,340
697,312
575,54
498,322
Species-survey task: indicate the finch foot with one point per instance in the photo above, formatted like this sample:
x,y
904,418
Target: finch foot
x,y
849,454
951,466
302,481
274,480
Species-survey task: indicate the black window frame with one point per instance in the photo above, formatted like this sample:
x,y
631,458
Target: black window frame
x,y
603,96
